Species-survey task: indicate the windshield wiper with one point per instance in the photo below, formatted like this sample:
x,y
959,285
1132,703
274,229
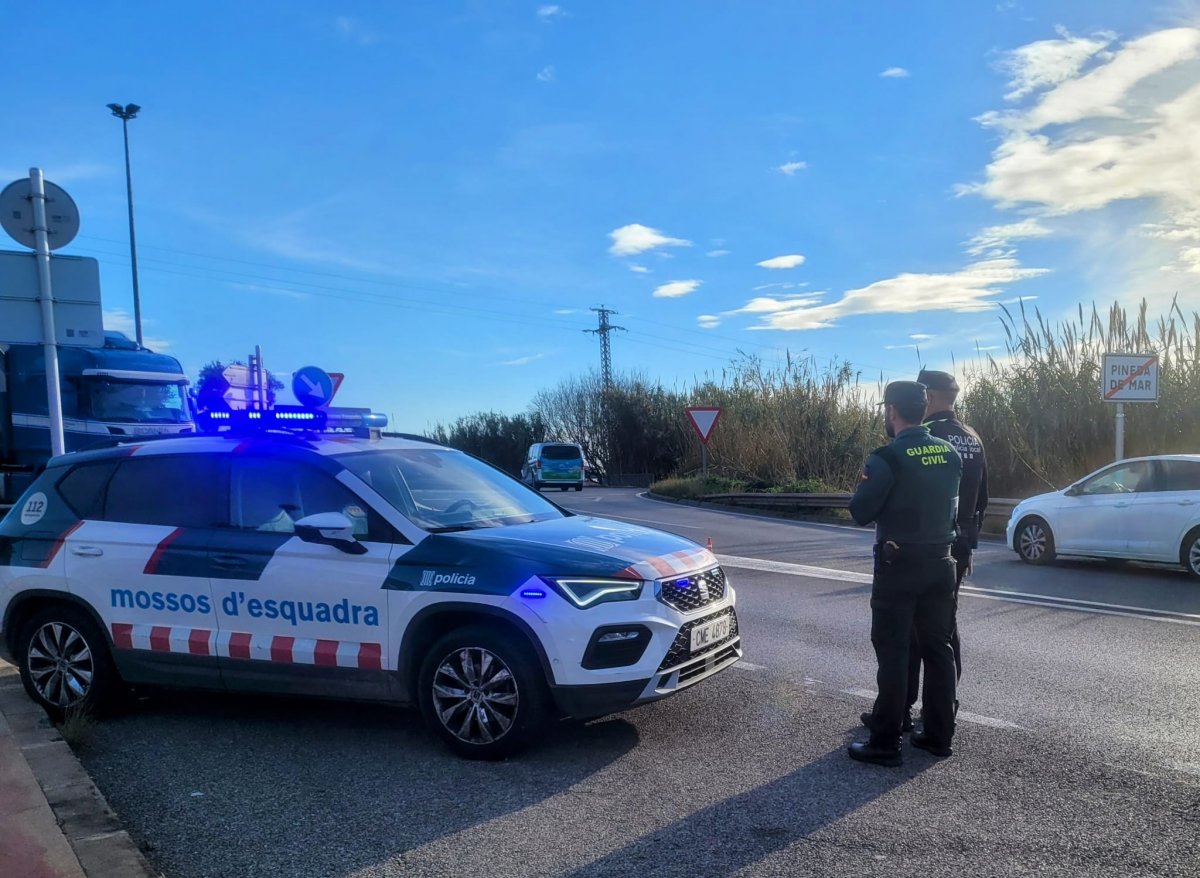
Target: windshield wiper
x,y
451,529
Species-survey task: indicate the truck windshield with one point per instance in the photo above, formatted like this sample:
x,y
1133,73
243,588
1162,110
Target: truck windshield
x,y
139,402
444,491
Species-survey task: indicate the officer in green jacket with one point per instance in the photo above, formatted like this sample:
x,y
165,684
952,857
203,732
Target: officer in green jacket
x,y
909,490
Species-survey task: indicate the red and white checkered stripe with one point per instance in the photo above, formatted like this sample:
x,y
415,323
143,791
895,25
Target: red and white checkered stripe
x,y
675,564
255,647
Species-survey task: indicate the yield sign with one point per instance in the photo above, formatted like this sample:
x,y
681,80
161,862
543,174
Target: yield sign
x,y
704,418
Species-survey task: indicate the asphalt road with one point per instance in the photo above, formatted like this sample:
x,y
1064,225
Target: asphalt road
x,y
1078,751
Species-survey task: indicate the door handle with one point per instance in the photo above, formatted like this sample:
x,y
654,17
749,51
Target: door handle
x,y
229,562
87,551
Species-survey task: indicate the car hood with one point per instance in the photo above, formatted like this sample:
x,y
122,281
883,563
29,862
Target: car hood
x,y
498,560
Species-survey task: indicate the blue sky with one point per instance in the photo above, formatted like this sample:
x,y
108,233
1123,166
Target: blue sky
x,y
430,196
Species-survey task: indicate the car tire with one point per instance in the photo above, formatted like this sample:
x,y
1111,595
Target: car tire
x,y
579,487
1034,542
1189,553
65,663
564,488
511,699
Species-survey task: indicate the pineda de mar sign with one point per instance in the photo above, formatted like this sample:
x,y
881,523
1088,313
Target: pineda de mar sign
x,y
1128,378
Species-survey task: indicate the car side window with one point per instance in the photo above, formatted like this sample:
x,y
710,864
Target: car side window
x,y
177,490
84,486
1128,478
271,495
1180,475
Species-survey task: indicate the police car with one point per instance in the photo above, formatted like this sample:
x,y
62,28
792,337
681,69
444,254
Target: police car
x,y
388,569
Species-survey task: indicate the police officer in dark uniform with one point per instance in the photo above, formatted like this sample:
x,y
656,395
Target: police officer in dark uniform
x,y
909,489
942,390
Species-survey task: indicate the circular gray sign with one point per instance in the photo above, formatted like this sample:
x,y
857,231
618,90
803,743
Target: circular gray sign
x,y
16,214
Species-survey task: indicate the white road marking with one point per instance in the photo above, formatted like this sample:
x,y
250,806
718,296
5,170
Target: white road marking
x,y
963,715
1014,597
750,666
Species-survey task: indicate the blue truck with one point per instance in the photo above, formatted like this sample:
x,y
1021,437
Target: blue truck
x,y
118,390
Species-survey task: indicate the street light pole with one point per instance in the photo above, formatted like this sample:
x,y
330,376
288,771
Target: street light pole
x,y
130,111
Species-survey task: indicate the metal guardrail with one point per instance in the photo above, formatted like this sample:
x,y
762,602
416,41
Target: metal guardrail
x,y
998,511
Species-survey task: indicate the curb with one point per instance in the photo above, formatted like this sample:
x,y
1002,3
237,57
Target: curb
x,y
91,828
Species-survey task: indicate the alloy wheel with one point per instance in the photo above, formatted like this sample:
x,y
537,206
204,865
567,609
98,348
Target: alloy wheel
x,y
1033,541
1194,557
60,663
475,695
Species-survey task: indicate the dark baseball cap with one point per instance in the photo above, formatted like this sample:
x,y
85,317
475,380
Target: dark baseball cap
x,y
904,393
943,382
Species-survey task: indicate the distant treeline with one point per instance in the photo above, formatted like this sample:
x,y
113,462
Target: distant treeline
x,y
1038,409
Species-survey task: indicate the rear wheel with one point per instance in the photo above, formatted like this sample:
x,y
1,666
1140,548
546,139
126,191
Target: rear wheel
x,y
564,487
579,487
483,692
1189,553
65,663
1034,542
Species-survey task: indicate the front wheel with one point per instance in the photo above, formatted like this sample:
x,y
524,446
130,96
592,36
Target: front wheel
x,y
1035,542
1189,553
65,664
579,487
483,692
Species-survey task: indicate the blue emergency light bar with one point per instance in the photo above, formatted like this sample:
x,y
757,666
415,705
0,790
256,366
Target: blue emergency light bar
x,y
277,418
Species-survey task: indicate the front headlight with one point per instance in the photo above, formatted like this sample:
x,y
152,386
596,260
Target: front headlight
x,y
585,593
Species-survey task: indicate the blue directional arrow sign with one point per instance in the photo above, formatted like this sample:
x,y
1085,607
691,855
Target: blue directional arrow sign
x,y
312,387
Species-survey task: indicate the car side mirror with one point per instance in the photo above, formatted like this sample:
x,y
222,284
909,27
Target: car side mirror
x,y
1072,491
330,529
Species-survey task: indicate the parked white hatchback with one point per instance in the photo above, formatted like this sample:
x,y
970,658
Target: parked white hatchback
x,y
1145,509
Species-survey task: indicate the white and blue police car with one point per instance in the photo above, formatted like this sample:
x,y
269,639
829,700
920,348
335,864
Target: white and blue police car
x,y
389,569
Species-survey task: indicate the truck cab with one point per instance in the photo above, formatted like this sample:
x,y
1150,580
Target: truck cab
x,y
118,390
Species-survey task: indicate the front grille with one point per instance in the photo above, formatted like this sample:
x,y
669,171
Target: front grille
x,y
690,593
681,648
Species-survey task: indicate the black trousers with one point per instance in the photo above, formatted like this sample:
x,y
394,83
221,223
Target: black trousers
x,y
962,560
914,594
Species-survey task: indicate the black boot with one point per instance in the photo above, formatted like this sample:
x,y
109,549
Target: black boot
x,y
941,751
876,752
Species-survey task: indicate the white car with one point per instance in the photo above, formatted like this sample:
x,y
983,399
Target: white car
x,y
391,570
1145,509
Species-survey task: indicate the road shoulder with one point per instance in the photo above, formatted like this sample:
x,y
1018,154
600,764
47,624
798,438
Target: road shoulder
x,y
53,820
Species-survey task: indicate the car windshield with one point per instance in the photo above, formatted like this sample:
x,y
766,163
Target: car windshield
x,y
149,402
442,491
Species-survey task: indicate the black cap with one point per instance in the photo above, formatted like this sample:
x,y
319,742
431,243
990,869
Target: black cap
x,y
943,382
904,393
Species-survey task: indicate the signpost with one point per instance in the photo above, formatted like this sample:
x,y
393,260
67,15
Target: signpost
x,y
42,216
704,420
313,387
1128,378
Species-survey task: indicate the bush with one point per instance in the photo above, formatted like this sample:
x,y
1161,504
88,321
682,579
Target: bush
x,y
695,487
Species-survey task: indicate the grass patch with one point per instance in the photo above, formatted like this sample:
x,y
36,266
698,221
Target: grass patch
x,y
696,487
78,727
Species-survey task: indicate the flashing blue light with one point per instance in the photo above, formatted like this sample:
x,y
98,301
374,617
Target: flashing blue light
x,y
532,593
682,583
278,418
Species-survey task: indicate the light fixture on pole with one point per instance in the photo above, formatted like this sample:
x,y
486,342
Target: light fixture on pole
x,y
125,113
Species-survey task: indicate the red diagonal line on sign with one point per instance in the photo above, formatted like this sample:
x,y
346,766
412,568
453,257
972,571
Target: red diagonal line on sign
x,y
1129,379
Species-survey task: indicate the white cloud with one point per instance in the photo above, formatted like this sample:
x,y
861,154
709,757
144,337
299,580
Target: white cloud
x,y
1048,62
523,361
922,336
1121,125
708,321
716,254
120,320
676,288
790,168
565,311
789,285
999,237
971,289
636,238
546,74
547,12
792,261
637,269
272,291
895,73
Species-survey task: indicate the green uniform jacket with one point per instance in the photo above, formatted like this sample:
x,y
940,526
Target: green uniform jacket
x,y
916,502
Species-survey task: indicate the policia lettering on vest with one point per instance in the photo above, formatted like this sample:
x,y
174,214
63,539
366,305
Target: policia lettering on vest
x,y
909,491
